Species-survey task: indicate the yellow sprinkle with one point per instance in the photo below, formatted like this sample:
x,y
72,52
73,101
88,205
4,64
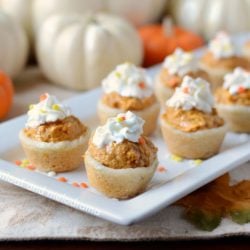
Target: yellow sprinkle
x,y
197,162
25,163
118,74
42,111
31,106
55,107
176,158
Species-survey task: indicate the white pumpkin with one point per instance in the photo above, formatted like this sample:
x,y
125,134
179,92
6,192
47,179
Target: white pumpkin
x,y
138,12
13,46
19,10
78,51
208,17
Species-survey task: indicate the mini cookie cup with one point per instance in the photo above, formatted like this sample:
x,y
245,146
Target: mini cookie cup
x,y
55,156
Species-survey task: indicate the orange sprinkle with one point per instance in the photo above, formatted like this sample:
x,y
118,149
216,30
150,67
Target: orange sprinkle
x,y
173,82
75,184
186,90
31,167
62,179
18,162
142,85
84,185
141,140
43,97
161,169
241,89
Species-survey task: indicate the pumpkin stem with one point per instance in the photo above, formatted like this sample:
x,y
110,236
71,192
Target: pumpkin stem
x,y
167,25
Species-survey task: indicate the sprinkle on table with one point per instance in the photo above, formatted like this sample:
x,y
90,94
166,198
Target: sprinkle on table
x,y
51,173
31,167
75,184
18,162
84,185
176,158
62,179
197,162
161,169
24,163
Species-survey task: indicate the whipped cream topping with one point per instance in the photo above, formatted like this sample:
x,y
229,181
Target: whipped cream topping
x,y
180,63
49,109
193,93
125,126
222,46
237,82
128,80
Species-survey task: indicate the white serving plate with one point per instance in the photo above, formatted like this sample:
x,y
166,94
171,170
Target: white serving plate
x,y
179,179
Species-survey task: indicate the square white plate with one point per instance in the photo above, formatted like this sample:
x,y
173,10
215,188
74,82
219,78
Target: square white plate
x,y
166,187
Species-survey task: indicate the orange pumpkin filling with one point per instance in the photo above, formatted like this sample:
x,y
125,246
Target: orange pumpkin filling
x,y
192,120
114,100
173,81
126,154
67,129
241,98
227,63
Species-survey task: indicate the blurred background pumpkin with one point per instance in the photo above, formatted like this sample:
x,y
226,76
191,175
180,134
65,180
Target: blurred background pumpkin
x,y
13,46
6,94
78,51
208,17
57,51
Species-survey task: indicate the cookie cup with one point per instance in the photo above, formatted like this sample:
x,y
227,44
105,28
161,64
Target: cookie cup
x,y
193,145
118,183
55,156
149,115
216,75
162,92
236,116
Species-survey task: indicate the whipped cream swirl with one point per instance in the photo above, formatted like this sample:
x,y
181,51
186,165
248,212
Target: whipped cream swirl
x,y
128,80
125,126
237,82
193,93
49,109
222,46
181,63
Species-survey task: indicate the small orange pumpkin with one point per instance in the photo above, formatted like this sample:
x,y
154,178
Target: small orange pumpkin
x,y
160,40
6,94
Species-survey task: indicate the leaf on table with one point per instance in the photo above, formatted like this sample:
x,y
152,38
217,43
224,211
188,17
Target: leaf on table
x,y
206,207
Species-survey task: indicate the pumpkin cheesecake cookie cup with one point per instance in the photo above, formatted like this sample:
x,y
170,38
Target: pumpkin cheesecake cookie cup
x,y
190,125
128,88
221,58
233,100
174,68
120,160
53,139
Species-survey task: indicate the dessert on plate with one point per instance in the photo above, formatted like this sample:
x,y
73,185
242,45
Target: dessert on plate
x,y
128,88
53,139
120,161
190,125
221,58
174,68
233,100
